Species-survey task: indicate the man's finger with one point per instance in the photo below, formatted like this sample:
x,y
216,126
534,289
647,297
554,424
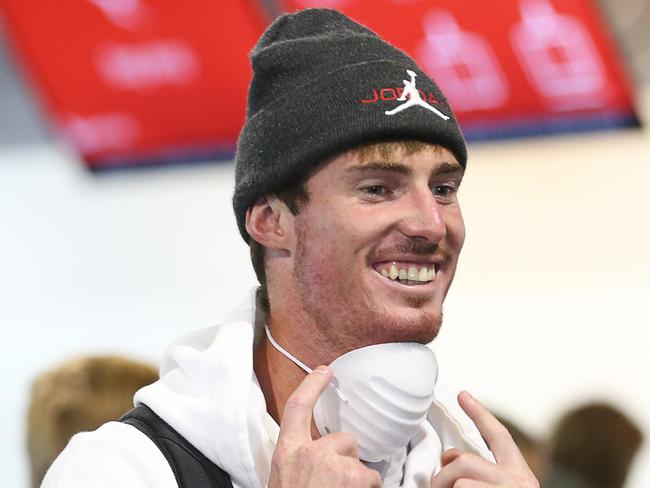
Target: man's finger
x,y
495,434
449,455
342,443
295,428
465,466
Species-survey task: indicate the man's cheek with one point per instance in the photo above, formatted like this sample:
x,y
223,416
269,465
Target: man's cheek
x,y
457,223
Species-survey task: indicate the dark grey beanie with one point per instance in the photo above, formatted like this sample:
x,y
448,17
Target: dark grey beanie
x,y
323,84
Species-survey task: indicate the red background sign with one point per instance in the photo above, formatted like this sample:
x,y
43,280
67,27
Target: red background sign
x,y
138,82
527,66
132,82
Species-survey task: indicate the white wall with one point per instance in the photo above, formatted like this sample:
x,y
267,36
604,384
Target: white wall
x,y
550,298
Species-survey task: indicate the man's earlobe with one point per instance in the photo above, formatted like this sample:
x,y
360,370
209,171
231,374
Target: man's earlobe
x,y
265,224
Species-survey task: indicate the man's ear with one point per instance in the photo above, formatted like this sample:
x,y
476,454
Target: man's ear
x,y
267,221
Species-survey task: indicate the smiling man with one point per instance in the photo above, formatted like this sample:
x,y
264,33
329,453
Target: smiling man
x,y
369,255
347,179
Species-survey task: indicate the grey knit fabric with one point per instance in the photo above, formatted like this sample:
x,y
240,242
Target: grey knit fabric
x,y
322,84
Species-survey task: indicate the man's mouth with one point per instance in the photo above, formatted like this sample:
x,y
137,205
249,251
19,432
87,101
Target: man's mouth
x,y
407,274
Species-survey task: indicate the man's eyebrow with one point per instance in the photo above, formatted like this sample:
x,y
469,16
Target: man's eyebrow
x,y
448,167
403,169
391,166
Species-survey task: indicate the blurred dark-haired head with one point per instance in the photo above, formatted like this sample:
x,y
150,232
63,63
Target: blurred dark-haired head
x,y
592,446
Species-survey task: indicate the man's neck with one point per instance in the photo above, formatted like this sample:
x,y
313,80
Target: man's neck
x,y
277,375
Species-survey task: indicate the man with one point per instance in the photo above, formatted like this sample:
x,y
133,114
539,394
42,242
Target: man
x,y
355,230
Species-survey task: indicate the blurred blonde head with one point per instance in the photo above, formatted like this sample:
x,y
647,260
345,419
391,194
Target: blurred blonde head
x,y
79,395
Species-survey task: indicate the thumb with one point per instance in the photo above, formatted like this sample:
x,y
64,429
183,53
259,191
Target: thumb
x,y
295,427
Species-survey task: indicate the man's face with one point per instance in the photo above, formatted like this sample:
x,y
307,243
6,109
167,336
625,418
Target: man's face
x,y
367,220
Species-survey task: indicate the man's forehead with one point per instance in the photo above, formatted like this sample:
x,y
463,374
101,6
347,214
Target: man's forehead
x,y
388,150
388,156
393,156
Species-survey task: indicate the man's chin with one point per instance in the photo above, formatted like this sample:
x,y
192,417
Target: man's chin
x,y
412,325
415,318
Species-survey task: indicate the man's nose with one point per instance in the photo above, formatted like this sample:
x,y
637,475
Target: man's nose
x,y
423,217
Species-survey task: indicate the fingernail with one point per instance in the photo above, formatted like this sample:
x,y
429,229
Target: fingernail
x,y
469,395
322,369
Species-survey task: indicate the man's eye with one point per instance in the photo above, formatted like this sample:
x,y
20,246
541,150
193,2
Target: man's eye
x,y
375,190
444,191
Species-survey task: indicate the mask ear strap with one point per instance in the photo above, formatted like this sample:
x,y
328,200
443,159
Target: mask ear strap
x,y
286,353
299,363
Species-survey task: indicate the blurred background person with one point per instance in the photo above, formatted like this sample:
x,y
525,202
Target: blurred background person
x,y
79,395
592,446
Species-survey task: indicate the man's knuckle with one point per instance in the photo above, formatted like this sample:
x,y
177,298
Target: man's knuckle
x,y
463,460
351,439
276,462
356,475
307,453
280,459
280,452
347,439
296,403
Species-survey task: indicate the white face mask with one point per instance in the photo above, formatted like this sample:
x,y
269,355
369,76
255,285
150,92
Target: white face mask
x,y
380,394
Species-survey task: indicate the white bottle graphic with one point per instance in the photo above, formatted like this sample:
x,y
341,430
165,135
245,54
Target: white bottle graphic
x,y
559,57
127,14
462,63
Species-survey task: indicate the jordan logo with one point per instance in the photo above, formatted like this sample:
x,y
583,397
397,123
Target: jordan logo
x,y
414,98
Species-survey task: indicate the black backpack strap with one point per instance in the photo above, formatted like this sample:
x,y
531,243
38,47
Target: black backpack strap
x,y
191,468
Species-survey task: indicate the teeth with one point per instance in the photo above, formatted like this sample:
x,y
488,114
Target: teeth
x,y
424,275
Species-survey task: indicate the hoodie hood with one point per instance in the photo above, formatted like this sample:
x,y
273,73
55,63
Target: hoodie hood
x,y
208,375
208,393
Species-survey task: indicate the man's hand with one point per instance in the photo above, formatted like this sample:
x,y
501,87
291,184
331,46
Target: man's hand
x,y
463,470
332,460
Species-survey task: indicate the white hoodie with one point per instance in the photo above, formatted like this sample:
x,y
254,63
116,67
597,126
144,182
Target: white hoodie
x,y
208,393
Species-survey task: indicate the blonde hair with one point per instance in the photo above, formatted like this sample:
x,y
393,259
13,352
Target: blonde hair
x,y
79,395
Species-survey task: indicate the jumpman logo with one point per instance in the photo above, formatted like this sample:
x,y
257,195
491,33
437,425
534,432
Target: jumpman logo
x,y
414,98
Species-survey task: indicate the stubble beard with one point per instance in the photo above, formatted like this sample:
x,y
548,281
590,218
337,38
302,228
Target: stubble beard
x,y
346,323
